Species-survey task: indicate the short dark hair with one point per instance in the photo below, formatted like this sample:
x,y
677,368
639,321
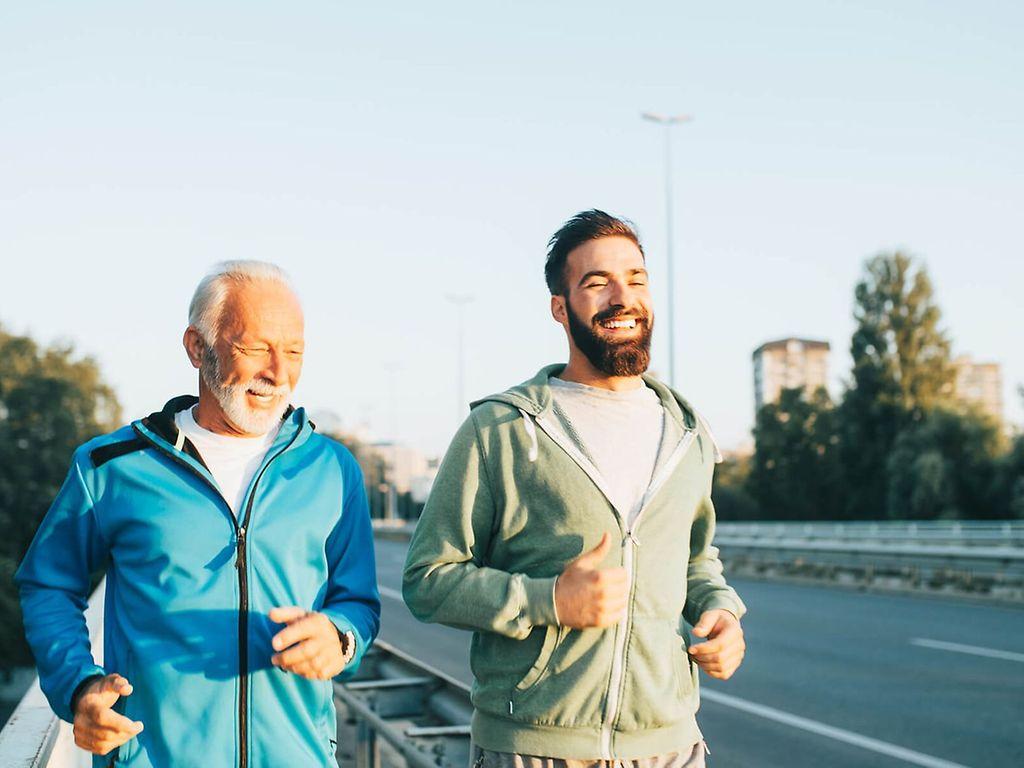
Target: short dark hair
x,y
582,228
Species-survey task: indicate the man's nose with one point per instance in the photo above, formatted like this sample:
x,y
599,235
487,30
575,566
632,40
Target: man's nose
x,y
275,369
619,294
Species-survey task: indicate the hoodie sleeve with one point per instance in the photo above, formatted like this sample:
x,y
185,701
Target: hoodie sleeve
x,y
352,601
706,588
53,580
446,580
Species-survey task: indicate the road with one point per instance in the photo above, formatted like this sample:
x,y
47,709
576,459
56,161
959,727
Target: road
x,y
832,678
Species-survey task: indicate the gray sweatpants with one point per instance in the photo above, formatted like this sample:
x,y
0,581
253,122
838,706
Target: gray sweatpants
x,y
484,758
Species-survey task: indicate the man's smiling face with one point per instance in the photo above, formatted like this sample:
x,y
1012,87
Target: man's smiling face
x,y
256,361
607,308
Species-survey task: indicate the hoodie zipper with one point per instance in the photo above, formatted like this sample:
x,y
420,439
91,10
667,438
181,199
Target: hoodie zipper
x,y
241,565
629,544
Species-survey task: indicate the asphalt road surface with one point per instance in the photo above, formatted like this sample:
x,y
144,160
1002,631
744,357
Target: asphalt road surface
x,y
832,678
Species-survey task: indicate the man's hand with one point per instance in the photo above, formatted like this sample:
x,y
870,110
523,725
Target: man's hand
x,y
309,646
587,597
723,651
98,728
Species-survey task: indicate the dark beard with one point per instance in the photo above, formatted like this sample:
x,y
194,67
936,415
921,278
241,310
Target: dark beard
x,y
624,358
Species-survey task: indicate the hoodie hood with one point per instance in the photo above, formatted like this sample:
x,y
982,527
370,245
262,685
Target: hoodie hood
x,y
533,400
534,397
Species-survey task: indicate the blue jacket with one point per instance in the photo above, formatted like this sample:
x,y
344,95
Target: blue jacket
x,y
188,591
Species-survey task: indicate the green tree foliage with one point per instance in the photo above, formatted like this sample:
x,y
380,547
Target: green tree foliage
x,y
1008,488
944,466
901,371
795,472
50,402
730,490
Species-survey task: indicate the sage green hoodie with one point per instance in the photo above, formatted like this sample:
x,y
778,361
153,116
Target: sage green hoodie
x,y
513,502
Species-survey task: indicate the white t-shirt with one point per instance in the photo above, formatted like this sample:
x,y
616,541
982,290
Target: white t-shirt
x,y
619,431
232,460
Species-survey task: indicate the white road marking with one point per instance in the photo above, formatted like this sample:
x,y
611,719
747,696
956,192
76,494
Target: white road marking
x,y
829,731
975,650
394,594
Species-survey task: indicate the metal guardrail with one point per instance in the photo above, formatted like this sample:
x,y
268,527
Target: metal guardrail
x,y
421,714
34,737
979,558
965,533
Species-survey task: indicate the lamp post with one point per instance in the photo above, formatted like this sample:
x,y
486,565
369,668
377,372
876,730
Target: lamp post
x,y
668,121
460,301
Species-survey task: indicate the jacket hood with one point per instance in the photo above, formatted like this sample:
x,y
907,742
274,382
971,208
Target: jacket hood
x,y
534,397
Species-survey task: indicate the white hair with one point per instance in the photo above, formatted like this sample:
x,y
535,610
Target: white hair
x,y
204,312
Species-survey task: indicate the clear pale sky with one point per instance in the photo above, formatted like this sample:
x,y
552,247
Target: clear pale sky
x,y
389,155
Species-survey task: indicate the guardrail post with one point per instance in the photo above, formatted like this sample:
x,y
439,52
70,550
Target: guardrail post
x,y
367,748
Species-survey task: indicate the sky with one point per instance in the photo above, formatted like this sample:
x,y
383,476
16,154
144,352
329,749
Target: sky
x,y
389,156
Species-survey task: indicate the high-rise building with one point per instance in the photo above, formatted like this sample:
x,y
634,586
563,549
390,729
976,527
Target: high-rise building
x,y
980,384
789,364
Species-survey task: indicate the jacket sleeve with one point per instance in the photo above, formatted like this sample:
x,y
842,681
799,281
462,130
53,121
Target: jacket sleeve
x,y
352,601
706,588
53,581
446,579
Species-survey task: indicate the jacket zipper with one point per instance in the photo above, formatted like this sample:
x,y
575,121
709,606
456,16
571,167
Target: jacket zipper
x,y
243,614
243,585
629,544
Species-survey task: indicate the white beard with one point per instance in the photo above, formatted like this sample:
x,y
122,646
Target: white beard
x,y
232,399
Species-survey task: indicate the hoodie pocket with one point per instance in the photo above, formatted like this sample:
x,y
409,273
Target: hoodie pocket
x,y
540,664
658,688
567,683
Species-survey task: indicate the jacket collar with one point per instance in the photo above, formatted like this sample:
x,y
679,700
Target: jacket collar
x,y
534,396
161,423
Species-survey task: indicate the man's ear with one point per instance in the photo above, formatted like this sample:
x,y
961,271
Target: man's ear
x,y
558,310
194,346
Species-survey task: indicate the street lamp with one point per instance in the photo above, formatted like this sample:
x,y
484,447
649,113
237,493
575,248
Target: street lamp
x,y
460,301
668,121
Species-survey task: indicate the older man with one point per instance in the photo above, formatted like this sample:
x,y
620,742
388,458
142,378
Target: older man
x,y
238,553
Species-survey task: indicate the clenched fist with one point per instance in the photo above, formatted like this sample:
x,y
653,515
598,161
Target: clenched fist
x,y
723,652
588,597
310,645
98,728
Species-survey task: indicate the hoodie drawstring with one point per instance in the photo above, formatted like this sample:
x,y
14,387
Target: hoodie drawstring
x,y
531,432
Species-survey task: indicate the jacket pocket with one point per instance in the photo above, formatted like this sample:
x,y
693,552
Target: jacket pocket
x,y
540,664
687,670
126,706
328,718
567,683
658,684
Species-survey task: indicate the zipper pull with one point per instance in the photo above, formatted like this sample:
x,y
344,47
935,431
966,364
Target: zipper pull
x,y
240,547
631,536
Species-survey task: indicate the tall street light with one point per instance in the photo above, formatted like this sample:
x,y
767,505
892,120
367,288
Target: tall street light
x,y
668,121
460,301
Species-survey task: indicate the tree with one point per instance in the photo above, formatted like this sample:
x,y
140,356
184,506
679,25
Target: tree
x,y
729,490
1008,487
944,466
50,403
901,370
795,472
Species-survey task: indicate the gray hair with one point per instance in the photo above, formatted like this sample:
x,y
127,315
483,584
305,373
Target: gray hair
x,y
204,312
